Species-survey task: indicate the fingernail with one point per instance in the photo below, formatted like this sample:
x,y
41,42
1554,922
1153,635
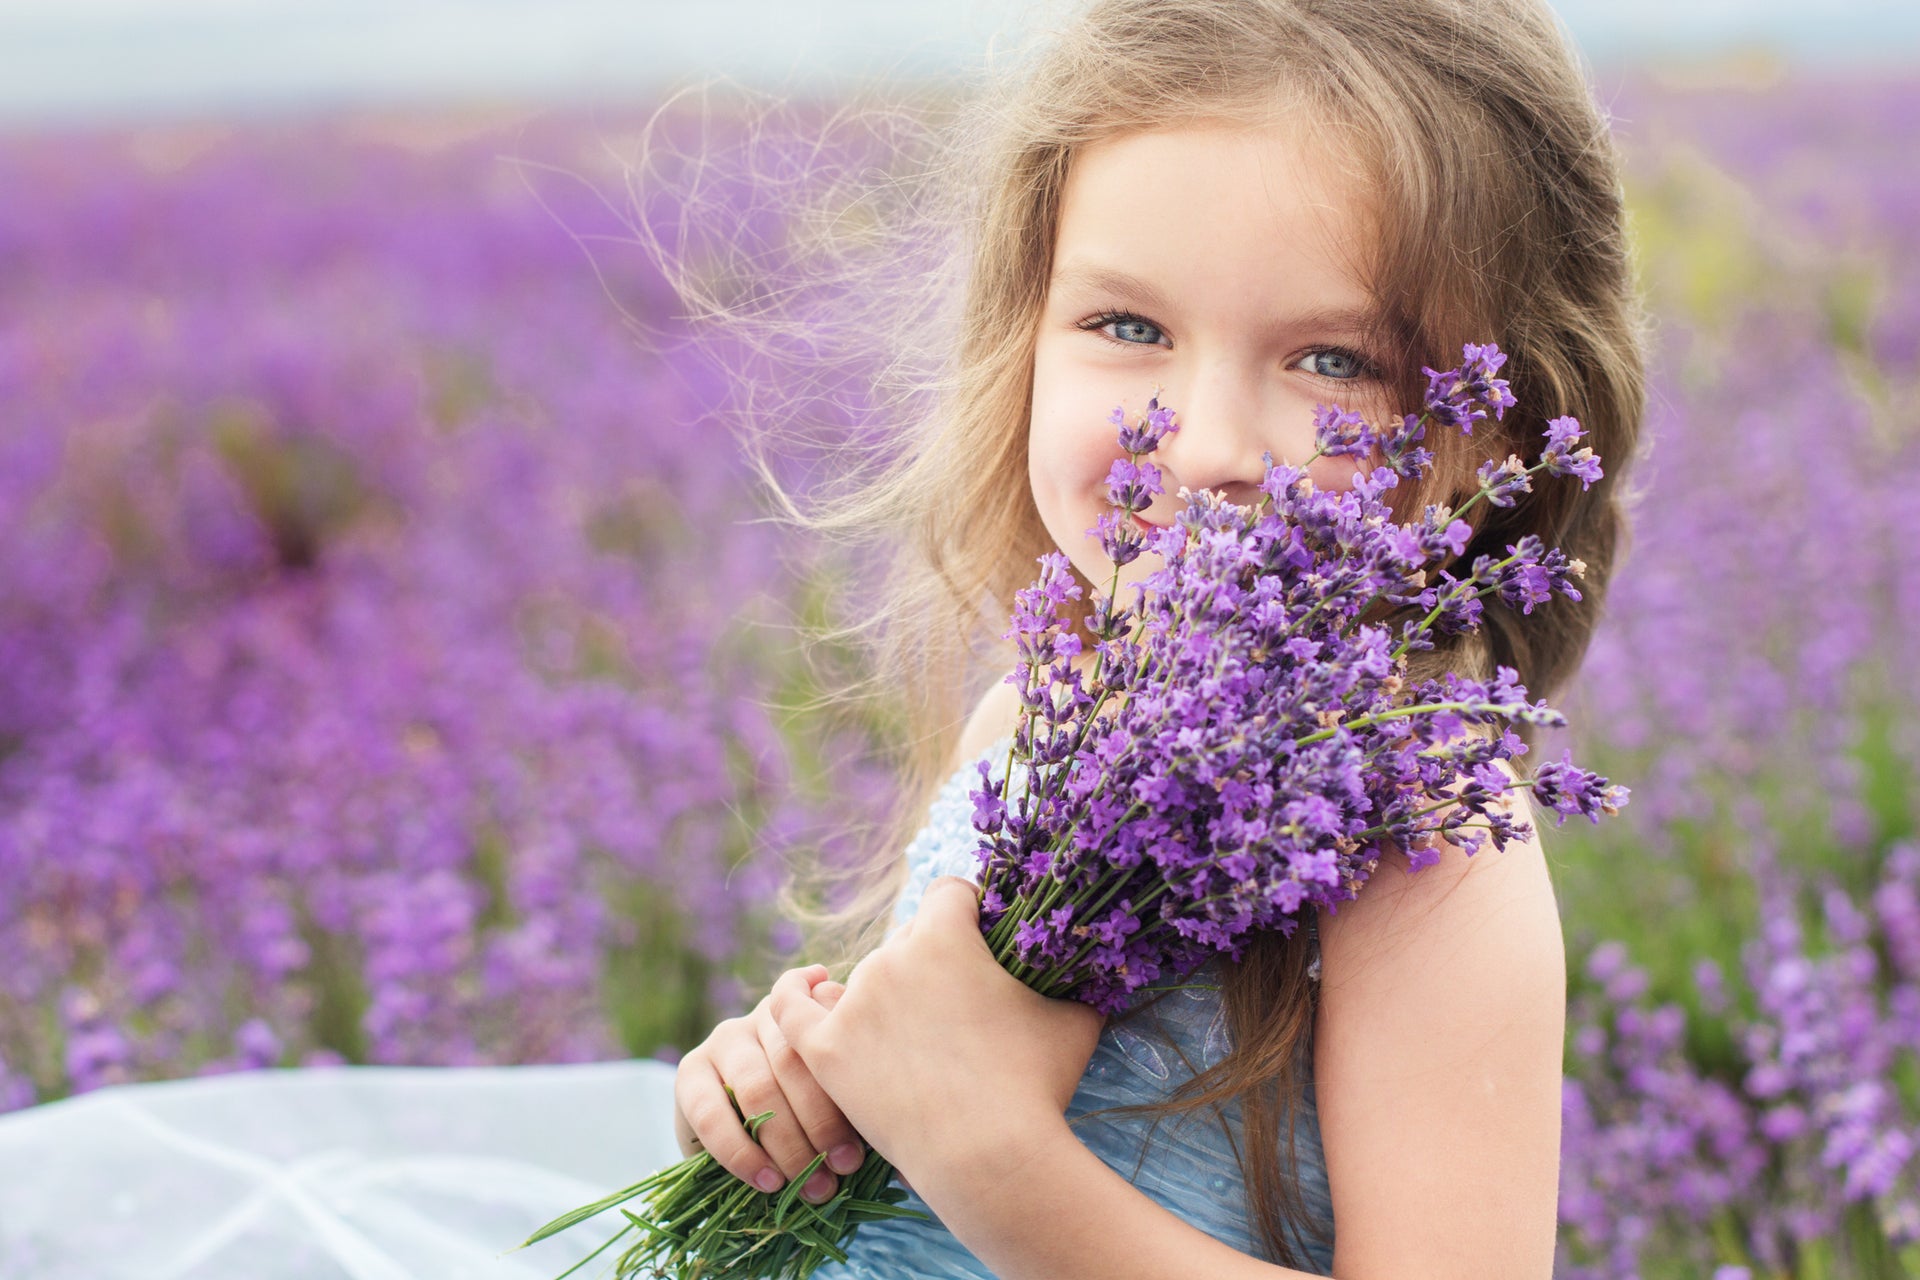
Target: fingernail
x,y
769,1180
818,1187
845,1158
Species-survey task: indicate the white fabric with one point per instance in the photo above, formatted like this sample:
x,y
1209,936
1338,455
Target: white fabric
x,y
350,1173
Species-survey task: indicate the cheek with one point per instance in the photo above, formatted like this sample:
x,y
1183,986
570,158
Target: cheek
x,y
1334,473
1070,448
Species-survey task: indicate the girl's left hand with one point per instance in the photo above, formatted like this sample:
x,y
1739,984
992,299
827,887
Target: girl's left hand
x,y
933,1050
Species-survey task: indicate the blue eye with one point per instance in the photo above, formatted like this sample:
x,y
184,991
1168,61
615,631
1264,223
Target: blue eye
x,y
1125,327
1135,331
1334,362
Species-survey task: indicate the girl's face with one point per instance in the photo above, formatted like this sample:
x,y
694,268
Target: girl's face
x,y
1220,265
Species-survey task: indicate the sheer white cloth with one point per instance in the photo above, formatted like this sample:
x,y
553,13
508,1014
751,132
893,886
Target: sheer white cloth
x,y
348,1173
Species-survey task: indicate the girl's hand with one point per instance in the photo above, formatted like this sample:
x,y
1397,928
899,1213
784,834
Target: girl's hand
x,y
750,1055
931,1048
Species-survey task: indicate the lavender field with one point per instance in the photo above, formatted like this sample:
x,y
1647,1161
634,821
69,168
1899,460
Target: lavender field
x,y
392,669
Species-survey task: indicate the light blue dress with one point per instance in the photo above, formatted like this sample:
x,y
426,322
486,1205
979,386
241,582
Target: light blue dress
x,y
1188,1165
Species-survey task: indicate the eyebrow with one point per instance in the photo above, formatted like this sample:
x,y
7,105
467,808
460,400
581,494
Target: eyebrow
x,y
1355,322
1106,280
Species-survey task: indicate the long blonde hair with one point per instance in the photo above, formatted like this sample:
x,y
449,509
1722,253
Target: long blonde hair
x,y
1501,219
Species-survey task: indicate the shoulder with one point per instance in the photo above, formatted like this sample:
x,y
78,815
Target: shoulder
x,y
1437,1061
1498,903
993,718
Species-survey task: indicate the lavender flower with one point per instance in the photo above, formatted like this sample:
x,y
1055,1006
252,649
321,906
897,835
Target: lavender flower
x,y
1792,1151
353,712
1562,459
1466,395
1244,746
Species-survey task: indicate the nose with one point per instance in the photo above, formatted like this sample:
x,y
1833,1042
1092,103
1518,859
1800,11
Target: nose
x,y
1228,417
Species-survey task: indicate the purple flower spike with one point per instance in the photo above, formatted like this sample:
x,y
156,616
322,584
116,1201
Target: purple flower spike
x,y
1567,789
1478,367
1560,457
1131,485
1338,433
1120,538
1463,396
1500,481
1145,435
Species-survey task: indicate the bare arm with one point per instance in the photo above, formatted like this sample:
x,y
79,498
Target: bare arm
x,y
1437,1061
1043,1207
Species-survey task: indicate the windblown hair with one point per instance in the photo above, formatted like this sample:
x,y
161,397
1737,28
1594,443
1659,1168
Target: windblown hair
x,y
1500,218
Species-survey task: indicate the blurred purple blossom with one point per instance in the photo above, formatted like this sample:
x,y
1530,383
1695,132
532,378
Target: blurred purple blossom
x,y
392,673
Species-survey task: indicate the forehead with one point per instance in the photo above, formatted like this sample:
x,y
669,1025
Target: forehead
x,y
1275,209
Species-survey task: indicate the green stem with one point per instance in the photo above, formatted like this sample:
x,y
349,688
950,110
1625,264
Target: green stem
x,y
1395,713
1052,977
1380,830
1440,604
1487,489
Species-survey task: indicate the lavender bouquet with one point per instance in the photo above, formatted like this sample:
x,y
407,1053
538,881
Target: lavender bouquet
x,y
1244,746
1248,744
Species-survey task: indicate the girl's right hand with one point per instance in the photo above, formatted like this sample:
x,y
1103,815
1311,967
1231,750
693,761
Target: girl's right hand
x,y
749,1055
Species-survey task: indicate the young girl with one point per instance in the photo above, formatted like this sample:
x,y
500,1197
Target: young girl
x,y
1253,206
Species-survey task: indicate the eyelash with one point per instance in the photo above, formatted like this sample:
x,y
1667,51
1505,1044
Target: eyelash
x,y
1369,370
1097,324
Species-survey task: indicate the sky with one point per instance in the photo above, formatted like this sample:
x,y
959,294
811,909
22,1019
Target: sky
x,y
141,59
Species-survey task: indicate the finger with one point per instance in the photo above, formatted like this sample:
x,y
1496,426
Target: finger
x,y
951,904
683,1133
825,1127
779,1137
822,1125
825,991
702,1097
795,1012
796,1019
